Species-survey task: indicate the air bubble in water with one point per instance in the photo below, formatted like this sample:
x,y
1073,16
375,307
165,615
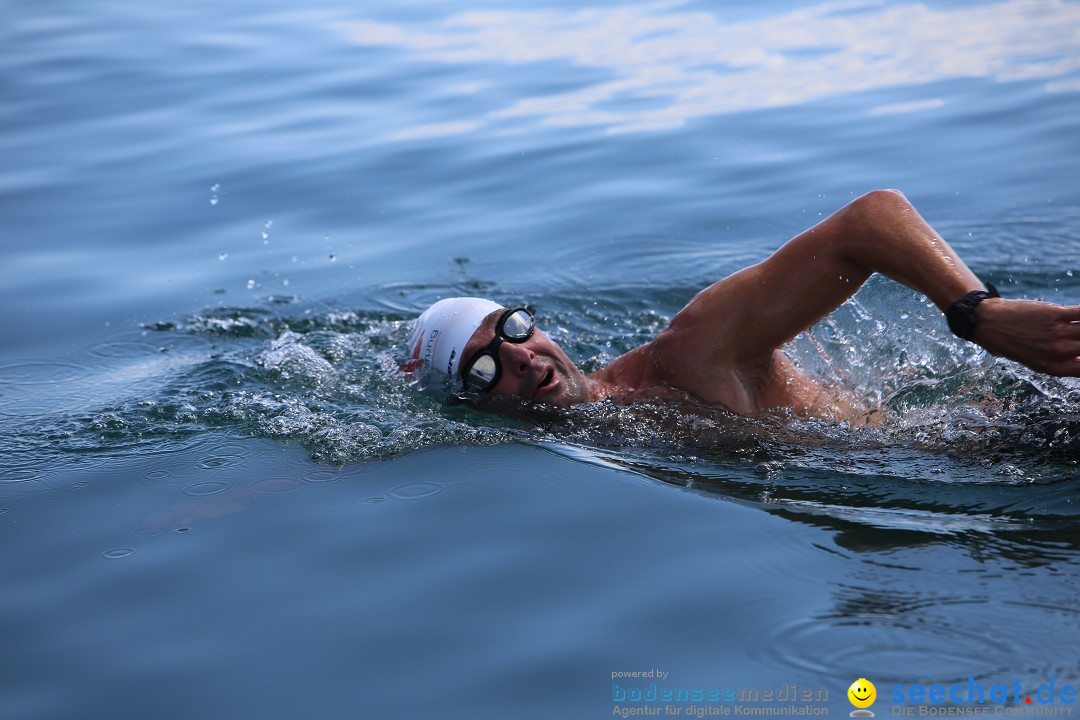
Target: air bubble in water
x,y
333,257
250,284
222,255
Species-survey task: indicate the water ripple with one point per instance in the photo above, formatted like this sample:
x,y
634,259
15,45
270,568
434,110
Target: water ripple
x,y
206,487
416,490
40,372
275,486
18,475
897,638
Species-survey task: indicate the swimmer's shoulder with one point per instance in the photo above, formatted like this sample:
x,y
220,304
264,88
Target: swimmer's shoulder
x,y
629,373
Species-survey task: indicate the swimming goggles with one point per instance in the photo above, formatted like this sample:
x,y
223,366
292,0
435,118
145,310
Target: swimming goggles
x,y
483,371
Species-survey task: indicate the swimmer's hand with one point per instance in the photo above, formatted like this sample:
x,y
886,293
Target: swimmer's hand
x,y
1041,335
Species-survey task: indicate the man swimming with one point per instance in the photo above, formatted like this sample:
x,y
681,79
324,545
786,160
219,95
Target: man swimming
x,y
724,347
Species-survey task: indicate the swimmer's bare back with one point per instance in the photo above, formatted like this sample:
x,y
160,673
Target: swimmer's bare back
x,y
724,346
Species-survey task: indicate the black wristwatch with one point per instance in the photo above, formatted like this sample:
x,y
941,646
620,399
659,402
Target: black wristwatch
x,y
961,314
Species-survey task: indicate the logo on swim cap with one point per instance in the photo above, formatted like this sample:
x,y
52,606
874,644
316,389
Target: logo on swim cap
x,y
439,336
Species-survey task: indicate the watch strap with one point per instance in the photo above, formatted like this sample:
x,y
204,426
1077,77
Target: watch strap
x,y
961,314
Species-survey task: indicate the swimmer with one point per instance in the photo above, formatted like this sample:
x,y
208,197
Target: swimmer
x,y
724,347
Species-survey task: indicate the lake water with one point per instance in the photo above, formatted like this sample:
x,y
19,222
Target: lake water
x,y
218,500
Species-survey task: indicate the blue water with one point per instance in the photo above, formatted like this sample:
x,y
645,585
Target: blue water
x,y
217,499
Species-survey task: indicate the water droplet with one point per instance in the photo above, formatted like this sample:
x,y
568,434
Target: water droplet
x,y
295,259
250,284
285,282
1069,273
265,237
215,187
213,199
333,257
222,255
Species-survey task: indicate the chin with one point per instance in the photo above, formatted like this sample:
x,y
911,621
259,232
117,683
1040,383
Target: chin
x,y
512,406
572,392
559,401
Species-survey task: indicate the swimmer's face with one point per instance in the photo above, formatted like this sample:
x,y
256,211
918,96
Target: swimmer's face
x,y
536,370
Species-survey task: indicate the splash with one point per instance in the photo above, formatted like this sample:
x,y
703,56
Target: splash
x,y
328,380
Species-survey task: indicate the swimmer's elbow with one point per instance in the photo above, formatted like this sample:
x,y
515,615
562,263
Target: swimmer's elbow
x,y
878,204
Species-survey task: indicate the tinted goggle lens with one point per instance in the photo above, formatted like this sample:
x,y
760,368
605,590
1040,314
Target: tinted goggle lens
x,y
516,327
483,372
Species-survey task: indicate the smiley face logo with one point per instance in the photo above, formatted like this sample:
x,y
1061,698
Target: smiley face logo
x,y
862,693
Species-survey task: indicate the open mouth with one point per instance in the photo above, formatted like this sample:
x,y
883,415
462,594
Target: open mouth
x,y
546,381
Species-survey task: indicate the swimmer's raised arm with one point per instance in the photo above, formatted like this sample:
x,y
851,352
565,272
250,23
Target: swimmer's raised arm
x,y
742,320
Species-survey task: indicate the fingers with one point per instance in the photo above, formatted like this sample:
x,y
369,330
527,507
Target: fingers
x,y
1065,368
1043,336
1071,347
1066,328
1062,355
1067,348
1070,330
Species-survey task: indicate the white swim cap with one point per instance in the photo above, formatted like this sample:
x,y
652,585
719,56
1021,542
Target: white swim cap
x,y
439,336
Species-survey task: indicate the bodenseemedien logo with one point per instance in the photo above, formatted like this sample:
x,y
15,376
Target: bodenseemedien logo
x,y
862,694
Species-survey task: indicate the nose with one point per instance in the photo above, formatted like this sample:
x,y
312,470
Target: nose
x,y
516,358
